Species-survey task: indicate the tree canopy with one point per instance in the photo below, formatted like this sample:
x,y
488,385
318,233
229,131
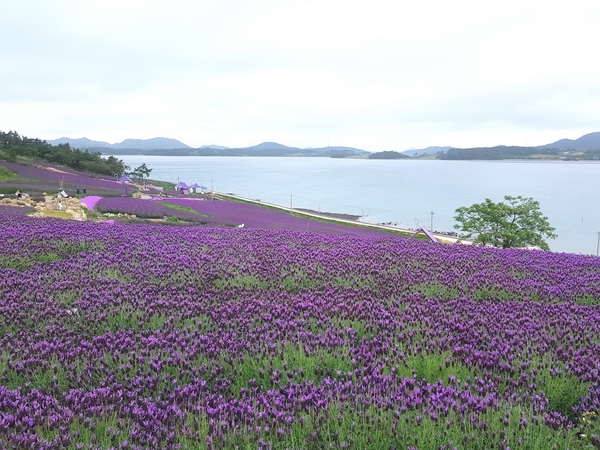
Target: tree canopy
x,y
14,146
140,171
387,155
516,223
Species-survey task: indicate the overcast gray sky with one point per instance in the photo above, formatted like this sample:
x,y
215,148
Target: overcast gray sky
x,y
378,75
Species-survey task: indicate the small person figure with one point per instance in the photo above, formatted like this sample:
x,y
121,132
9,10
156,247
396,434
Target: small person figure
x,y
84,190
78,190
60,206
18,193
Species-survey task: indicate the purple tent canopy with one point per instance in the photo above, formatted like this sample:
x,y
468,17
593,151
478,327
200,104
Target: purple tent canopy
x,y
181,185
125,178
194,186
427,233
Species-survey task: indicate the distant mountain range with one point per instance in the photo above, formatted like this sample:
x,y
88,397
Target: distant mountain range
x,y
587,147
137,144
172,147
585,143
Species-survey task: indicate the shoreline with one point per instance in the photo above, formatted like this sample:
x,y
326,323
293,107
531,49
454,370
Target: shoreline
x,y
442,238
330,215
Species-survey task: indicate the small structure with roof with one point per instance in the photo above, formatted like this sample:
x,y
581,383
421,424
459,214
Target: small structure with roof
x,y
181,186
427,233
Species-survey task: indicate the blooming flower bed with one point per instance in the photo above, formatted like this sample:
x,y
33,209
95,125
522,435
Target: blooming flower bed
x,y
67,177
11,209
172,337
144,208
90,201
255,216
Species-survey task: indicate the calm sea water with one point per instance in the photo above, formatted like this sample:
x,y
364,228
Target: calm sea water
x,y
402,192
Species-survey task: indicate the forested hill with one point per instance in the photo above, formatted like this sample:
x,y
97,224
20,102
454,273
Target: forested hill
x,y
387,155
586,143
587,147
503,152
499,152
17,148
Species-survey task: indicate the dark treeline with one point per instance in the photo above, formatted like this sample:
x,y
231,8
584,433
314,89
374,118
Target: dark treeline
x,y
502,152
387,155
14,147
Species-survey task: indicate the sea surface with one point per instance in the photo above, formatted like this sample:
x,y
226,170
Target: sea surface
x,y
402,192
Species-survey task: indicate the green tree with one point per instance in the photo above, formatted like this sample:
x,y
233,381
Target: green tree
x,y
14,147
141,171
516,223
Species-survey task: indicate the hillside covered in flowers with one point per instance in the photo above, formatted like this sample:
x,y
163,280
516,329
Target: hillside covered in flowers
x,y
141,336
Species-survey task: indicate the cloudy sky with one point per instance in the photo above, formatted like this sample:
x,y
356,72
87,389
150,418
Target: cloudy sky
x,y
378,75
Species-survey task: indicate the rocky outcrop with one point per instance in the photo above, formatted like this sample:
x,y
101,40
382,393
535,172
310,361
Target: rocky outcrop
x,y
70,205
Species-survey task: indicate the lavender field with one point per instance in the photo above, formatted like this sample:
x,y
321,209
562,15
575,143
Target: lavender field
x,y
231,213
199,211
49,179
139,336
145,209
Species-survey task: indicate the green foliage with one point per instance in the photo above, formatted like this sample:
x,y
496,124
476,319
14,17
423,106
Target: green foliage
x,y
91,215
103,434
13,146
498,153
241,281
58,214
436,290
291,363
140,172
35,377
341,427
68,298
15,262
113,273
516,223
435,366
181,208
588,300
164,184
6,174
564,393
48,257
387,155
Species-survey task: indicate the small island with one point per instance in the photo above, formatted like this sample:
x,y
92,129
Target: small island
x,y
387,155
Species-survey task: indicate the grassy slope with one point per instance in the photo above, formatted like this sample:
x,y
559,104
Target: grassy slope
x,y
6,174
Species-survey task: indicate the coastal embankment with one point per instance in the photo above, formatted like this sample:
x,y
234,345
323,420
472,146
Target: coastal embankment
x,y
348,219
